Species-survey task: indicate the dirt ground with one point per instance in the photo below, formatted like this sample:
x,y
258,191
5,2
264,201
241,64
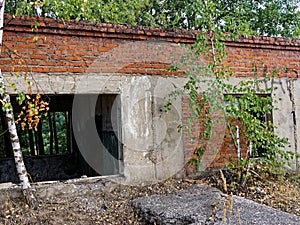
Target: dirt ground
x,y
112,205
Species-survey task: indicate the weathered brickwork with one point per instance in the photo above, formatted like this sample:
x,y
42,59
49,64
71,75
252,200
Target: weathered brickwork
x,y
76,47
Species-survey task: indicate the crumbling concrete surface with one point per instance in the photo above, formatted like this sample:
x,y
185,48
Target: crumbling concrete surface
x,y
202,204
73,187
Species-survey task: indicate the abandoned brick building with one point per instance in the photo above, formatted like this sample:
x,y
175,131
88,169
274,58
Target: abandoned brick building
x,y
107,85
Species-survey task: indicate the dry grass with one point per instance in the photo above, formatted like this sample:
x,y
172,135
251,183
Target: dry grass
x,y
112,206
281,191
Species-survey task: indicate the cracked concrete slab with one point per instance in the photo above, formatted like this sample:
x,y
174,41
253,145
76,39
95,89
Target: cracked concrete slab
x,y
201,204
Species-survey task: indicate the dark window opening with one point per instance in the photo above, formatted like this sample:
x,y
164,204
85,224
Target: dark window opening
x,y
51,151
264,118
51,137
105,125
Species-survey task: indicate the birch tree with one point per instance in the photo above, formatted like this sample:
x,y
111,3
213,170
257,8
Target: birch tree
x,y
17,152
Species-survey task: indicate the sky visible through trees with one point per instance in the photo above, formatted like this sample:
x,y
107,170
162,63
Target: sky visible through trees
x,y
256,17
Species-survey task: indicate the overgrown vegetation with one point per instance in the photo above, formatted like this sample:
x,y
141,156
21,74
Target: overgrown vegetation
x,y
244,105
53,128
280,190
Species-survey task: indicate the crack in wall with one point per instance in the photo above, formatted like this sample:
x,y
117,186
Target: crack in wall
x,y
291,89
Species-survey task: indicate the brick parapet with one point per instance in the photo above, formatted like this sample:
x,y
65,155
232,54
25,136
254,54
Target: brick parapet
x,y
125,31
75,46
90,29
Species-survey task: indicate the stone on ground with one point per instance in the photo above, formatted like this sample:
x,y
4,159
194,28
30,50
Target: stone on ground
x,y
201,204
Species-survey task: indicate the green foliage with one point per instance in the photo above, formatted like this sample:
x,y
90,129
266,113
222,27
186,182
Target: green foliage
x,y
117,11
60,120
237,16
246,103
251,109
258,17
210,90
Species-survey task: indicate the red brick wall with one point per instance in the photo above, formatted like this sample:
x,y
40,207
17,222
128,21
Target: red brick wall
x,y
73,47
219,146
267,54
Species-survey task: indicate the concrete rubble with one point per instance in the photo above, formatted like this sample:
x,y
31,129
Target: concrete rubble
x,y
72,187
202,204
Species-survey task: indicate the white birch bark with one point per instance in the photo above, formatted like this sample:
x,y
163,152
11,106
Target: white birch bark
x,y
14,139
21,169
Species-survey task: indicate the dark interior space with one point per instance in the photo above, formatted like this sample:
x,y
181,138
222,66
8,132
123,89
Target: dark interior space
x,y
51,151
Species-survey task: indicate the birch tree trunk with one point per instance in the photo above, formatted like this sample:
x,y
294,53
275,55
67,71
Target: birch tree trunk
x,y
21,169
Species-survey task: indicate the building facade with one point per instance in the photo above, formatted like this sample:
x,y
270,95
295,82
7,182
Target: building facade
x,y
107,86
